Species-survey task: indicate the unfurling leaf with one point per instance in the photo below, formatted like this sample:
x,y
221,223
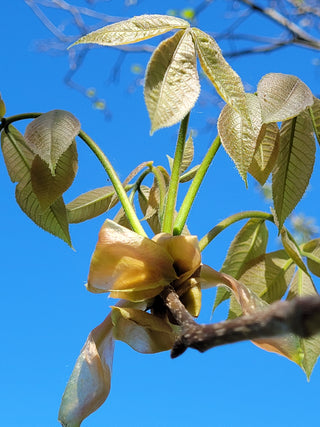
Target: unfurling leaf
x,y
47,187
17,155
19,159
192,300
89,384
250,242
248,303
294,165
239,136
266,153
121,219
128,265
143,331
188,154
302,285
51,134
226,81
91,204
2,107
54,219
172,83
312,251
269,275
282,97
190,174
292,249
133,30
315,115
146,201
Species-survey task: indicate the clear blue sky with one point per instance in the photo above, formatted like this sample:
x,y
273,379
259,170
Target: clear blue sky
x,y
46,312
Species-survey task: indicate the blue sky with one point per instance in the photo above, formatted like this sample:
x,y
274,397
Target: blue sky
x,y
46,312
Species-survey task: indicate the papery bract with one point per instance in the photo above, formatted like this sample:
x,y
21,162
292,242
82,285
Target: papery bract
x,y
89,384
184,250
135,268
128,265
143,331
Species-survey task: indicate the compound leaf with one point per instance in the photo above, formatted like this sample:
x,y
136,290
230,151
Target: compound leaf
x,y
17,155
239,136
294,165
54,219
226,81
172,82
133,30
282,97
302,285
91,204
266,153
47,187
312,248
51,134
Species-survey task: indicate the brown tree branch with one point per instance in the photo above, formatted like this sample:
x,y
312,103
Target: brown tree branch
x,y
299,36
300,316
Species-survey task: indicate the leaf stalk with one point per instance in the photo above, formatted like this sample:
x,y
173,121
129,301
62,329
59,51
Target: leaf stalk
x,y
167,223
194,187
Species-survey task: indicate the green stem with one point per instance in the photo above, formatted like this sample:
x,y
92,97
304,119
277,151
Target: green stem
x,y
123,197
127,206
311,256
174,179
25,116
229,221
194,187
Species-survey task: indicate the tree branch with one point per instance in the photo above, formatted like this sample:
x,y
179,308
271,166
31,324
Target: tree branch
x,y
300,36
300,316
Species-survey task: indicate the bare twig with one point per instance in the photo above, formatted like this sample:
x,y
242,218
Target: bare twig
x,y
300,316
299,36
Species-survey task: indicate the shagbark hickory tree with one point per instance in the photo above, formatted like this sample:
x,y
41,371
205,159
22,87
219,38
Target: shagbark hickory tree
x,y
158,280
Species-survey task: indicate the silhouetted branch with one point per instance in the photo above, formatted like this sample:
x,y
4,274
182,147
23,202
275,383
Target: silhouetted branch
x,y
79,20
300,316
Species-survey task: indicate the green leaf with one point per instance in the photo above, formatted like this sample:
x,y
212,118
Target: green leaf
x,y
311,250
17,155
315,115
247,302
250,242
188,154
149,207
133,30
51,134
238,137
144,332
226,81
172,83
49,188
269,275
294,165
282,97
2,108
266,153
91,204
54,219
292,249
302,285
121,219
190,174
